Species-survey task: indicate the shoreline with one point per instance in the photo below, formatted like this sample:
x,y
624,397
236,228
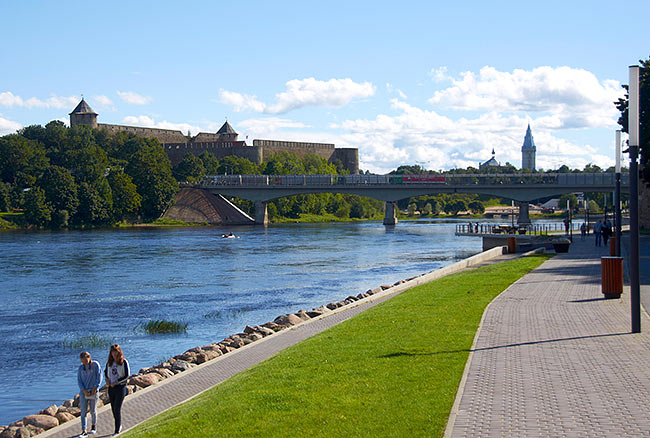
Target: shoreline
x,y
149,377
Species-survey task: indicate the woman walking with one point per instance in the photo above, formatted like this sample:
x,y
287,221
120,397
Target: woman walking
x,y
117,374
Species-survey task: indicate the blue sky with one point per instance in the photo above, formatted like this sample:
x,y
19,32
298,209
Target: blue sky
x,y
429,83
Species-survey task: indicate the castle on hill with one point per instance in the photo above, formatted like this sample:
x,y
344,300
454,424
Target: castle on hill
x,y
222,143
528,153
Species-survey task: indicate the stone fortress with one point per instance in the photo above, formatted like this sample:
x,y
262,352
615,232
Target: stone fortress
x,y
222,143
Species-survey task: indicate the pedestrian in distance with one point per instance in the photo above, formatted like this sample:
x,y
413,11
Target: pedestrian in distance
x,y
117,374
583,231
89,379
606,231
598,230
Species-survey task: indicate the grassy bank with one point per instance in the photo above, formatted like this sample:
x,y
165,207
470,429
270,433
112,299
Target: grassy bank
x,y
391,371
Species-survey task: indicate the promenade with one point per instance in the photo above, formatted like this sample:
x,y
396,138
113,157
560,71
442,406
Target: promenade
x,y
552,358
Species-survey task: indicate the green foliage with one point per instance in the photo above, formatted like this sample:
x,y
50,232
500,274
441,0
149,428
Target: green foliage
x,y
573,201
456,206
405,359
210,163
644,117
37,210
163,326
89,341
22,161
60,190
191,168
126,199
476,207
232,165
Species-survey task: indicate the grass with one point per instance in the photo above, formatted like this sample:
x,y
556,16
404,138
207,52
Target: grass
x,y
90,341
391,371
163,326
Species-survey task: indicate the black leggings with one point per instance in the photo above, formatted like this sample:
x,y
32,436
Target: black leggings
x,y
116,396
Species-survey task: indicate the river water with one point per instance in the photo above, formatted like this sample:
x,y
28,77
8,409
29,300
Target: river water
x,y
57,287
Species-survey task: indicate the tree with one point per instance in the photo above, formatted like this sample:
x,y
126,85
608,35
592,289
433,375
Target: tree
x,y
233,165
22,161
456,206
644,117
476,207
60,191
573,200
210,163
92,206
126,199
151,172
37,211
191,168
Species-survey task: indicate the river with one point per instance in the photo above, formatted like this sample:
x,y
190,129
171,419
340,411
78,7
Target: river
x,y
60,286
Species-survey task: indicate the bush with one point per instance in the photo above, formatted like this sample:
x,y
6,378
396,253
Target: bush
x,y
162,326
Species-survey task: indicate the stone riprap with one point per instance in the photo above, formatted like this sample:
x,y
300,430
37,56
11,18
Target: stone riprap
x,y
55,415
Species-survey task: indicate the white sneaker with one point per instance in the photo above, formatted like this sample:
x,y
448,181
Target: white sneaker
x,y
82,435
93,430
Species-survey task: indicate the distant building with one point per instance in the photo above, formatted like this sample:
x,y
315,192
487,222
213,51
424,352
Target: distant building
x,y
492,162
528,151
222,143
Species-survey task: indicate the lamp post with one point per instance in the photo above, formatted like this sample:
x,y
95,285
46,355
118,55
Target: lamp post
x,y
633,129
617,194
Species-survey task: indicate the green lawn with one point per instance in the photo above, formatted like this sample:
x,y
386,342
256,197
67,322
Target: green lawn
x,y
390,371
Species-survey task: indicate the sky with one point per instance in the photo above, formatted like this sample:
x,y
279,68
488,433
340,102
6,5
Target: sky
x,y
437,84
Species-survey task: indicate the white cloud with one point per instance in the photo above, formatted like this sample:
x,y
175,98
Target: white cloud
x,y
102,100
134,98
8,99
148,122
575,97
8,126
300,93
439,74
392,89
418,136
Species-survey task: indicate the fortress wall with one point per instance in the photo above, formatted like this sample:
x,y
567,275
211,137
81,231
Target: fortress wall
x,y
162,135
349,157
324,150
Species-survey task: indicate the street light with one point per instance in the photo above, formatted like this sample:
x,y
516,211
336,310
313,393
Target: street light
x,y
617,194
633,129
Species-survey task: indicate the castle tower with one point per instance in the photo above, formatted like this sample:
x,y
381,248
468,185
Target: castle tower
x,y
83,114
227,133
528,151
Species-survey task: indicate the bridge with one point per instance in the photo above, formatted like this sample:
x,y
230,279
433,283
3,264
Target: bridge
x,y
391,188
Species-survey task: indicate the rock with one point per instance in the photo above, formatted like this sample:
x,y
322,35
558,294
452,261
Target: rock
x,y
385,286
188,356
181,365
249,329
33,430
331,306
103,397
233,343
73,410
43,421
51,411
265,331
271,325
374,291
196,350
225,349
145,380
351,298
75,402
18,423
397,283
302,315
68,403
289,319
255,336
130,389
165,373
13,432
64,417
211,347
247,341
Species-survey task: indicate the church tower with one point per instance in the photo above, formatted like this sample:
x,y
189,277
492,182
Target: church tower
x,y
83,114
528,151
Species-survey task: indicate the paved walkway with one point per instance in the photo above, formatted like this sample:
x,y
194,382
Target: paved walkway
x,y
554,359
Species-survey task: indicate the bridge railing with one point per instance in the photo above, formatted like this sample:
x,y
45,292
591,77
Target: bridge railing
x,y
563,179
530,229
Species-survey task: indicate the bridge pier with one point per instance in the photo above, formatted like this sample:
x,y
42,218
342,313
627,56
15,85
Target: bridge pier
x,y
261,213
524,217
390,215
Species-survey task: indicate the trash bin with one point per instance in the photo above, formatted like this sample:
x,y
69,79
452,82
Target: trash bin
x,y
612,276
512,245
612,246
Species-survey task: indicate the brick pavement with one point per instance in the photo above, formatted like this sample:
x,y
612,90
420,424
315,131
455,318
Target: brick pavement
x,y
554,359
